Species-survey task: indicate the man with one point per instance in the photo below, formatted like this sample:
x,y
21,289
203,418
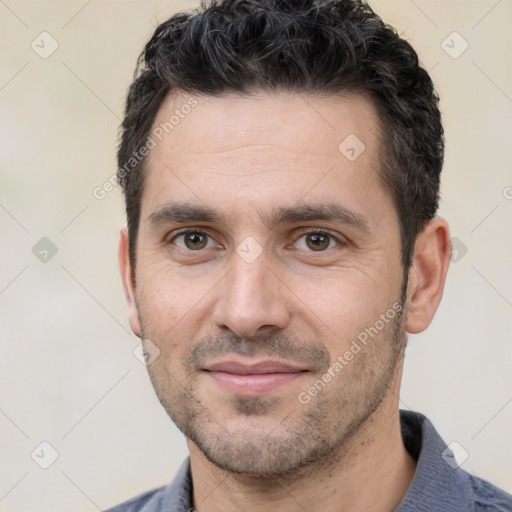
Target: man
x,y
280,162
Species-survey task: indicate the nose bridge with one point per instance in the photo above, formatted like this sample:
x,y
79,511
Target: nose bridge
x,y
251,296
249,277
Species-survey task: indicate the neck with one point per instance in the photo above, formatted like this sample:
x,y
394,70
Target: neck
x,y
369,473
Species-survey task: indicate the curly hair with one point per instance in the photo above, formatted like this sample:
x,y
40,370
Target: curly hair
x,y
306,47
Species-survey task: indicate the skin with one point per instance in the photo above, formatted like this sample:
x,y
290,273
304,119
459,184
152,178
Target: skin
x,y
201,302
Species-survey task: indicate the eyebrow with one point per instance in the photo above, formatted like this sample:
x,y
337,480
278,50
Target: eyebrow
x,y
183,212
332,212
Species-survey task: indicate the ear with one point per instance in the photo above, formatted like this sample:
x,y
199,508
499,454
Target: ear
x,y
128,278
427,275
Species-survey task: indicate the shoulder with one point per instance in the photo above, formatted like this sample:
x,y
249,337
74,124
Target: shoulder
x,y
489,498
147,501
440,483
175,497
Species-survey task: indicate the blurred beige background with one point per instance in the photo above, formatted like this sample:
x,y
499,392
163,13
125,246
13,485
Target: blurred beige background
x,y
68,374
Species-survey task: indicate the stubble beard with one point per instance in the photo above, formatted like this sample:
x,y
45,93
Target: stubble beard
x,y
278,440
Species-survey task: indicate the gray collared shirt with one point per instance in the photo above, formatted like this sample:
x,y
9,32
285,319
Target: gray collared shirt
x,y
438,484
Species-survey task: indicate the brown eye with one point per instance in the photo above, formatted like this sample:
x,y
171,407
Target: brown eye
x,y
191,240
195,240
317,241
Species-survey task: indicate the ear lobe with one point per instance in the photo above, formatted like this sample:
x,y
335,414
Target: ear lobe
x,y
427,275
127,277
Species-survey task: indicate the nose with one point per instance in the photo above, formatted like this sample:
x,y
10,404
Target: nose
x,y
252,299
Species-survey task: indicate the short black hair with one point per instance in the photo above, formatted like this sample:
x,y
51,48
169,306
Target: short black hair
x,y
302,46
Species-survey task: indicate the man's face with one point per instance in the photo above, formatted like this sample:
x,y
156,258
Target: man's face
x,y
268,289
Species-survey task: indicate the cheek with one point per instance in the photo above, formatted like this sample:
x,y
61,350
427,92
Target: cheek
x,y
344,305
165,288
172,307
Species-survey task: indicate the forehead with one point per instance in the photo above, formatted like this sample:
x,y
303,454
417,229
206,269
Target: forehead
x,y
299,123
239,151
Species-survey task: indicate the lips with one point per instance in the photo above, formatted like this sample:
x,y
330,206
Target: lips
x,y
253,379
253,369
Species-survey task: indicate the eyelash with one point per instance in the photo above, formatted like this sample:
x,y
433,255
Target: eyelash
x,y
310,231
186,232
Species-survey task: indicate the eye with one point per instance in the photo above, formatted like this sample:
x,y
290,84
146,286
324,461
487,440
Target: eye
x,y
192,240
317,241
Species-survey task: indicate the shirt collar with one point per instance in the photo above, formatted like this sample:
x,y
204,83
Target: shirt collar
x,y
438,483
178,496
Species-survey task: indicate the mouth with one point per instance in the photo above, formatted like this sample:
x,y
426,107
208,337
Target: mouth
x,y
253,379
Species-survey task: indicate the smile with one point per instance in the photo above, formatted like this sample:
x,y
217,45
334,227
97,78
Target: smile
x,y
255,379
